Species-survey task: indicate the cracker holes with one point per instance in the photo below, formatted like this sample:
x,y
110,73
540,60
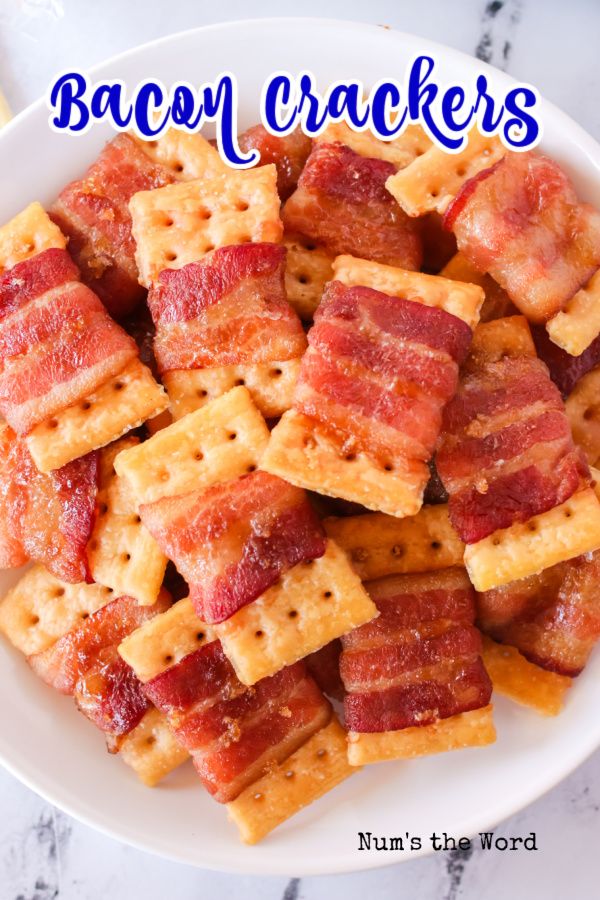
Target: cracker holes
x,y
532,527
242,206
303,278
231,435
239,382
496,542
327,595
109,590
293,614
398,550
34,621
200,636
201,392
568,513
259,633
52,424
58,592
588,414
85,615
359,554
136,520
167,659
168,222
178,167
164,475
93,545
208,248
86,405
125,557
461,171
204,214
103,509
170,257
198,455
275,373
150,740
118,386
251,468
321,754
435,545
388,467
290,774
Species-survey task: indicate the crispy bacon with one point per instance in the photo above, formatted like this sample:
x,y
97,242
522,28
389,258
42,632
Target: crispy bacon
x,y
552,618
565,370
31,278
233,732
506,452
234,540
342,204
289,154
56,346
521,222
93,212
85,663
379,370
419,661
226,309
46,517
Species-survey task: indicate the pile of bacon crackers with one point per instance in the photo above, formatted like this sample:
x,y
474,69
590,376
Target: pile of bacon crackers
x,y
317,430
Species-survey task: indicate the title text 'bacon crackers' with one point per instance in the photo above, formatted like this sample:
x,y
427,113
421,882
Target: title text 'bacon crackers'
x,y
520,494
382,361
259,566
69,635
58,346
243,740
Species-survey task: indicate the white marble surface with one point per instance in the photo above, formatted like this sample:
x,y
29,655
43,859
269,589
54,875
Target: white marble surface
x,y
43,853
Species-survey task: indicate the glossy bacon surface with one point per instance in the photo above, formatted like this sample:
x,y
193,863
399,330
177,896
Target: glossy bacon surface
x,y
56,346
226,309
289,154
379,370
93,212
85,663
341,203
46,517
565,370
521,222
419,661
552,618
233,732
234,540
506,452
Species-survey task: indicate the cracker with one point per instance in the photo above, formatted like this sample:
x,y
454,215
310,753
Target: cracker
x,y
220,441
583,410
578,324
469,729
164,640
271,386
122,554
124,402
530,547
308,269
400,151
510,336
460,269
305,455
312,604
317,767
151,750
515,677
180,223
461,299
380,545
30,232
187,156
40,609
431,181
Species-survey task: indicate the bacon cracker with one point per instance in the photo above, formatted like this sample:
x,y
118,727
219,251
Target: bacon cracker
x,y
40,609
400,151
521,222
567,530
122,554
151,750
522,681
181,223
578,323
308,269
379,545
469,729
312,604
288,153
583,410
198,450
187,156
271,386
27,234
309,773
119,405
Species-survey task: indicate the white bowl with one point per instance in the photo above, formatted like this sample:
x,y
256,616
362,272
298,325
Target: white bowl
x,y
56,752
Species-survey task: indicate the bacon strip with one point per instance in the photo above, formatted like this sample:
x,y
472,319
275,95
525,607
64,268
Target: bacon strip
x,y
233,732
342,204
379,370
419,661
46,517
226,309
234,540
506,452
86,664
552,618
93,213
56,347
288,154
521,222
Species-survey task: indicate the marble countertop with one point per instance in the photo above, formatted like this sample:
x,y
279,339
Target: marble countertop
x,y
44,854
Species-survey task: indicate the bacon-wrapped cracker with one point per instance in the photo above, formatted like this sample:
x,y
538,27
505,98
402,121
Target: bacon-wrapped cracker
x,y
341,204
415,673
521,222
382,361
519,488
122,554
287,153
431,181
